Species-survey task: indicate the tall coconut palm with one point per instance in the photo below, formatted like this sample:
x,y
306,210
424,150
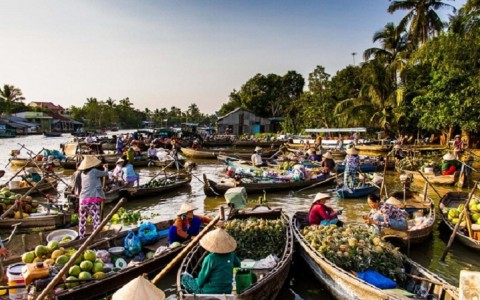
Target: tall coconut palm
x,y
394,45
377,99
422,17
9,96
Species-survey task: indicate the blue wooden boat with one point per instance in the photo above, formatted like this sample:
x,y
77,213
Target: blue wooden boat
x,y
52,134
366,168
358,192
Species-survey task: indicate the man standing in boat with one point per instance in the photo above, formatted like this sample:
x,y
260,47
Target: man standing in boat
x,y
257,160
458,147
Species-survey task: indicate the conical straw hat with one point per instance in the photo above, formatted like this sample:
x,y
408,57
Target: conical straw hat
x,y
88,162
352,151
186,207
258,148
320,196
328,155
394,201
449,156
218,241
139,289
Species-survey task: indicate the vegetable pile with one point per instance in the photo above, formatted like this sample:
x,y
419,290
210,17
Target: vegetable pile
x,y
158,183
7,200
355,249
257,238
125,218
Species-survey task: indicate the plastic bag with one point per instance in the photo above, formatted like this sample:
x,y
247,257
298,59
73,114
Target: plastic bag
x,y
377,279
267,262
132,244
147,233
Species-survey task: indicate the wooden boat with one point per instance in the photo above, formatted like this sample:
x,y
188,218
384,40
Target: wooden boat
x,y
364,167
99,288
269,282
42,186
345,285
52,134
111,195
214,153
24,162
37,222
415,234
373,148
213,188
358,192
111,161
246,144
433,178
453,199
169,183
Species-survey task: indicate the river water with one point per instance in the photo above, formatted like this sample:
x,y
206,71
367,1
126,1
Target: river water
x,y
301,283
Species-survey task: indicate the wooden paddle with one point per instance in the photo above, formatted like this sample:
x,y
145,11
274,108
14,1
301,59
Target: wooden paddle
x,y
79,252
452,237
185,250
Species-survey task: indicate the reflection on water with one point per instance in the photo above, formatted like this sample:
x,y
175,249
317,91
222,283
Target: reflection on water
x,y
301,284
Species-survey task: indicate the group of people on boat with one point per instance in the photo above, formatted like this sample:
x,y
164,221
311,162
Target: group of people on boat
x,y
383,214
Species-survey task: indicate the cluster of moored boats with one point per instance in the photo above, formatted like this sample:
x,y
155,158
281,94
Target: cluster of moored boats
x,y
275,175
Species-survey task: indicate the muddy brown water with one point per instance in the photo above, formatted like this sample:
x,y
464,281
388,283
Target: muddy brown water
x,y
301,283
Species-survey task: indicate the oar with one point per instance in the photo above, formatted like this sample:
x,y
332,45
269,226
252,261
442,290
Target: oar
x,y
79,252
159,173
315,184
429,183
452,237
185,250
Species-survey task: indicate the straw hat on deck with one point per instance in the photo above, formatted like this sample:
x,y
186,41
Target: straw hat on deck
x,y
352,151
186,207
139,288
218,241
89,162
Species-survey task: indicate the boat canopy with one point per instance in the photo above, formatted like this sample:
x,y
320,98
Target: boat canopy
x,y
353,129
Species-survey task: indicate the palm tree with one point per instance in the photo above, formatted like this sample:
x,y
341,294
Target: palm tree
x,y
422,17
394,42
10,96
377,99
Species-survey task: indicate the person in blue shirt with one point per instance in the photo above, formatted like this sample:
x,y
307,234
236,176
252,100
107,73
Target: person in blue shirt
x,y
119,145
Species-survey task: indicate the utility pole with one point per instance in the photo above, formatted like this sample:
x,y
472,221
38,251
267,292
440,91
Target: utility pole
x,y
353,55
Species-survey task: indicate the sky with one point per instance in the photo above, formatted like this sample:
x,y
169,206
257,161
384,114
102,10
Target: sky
x,y
176,53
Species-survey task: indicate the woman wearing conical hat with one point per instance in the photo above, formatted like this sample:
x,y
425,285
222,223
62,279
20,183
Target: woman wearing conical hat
x,y
352,162
449,164
328,164
91,194
186,224
216,274
321,214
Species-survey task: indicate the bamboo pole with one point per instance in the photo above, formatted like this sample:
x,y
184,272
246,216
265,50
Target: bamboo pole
x,y
429,183
82,248
22,168
185,250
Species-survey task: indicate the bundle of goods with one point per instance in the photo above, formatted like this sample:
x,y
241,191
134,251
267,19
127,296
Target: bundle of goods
x,y
126,218
257,238
159,183
355,248
7,200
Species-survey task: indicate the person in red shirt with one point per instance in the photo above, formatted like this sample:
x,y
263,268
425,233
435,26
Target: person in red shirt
x,y
320,214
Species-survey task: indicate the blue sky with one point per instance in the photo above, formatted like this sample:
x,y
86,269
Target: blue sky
x,y
175,53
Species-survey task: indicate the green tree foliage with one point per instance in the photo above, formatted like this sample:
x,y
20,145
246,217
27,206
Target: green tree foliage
x,y
422,19
451,97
